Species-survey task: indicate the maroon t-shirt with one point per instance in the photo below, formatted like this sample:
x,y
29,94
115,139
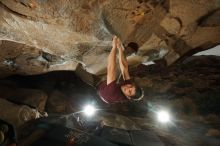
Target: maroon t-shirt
x,y
112,93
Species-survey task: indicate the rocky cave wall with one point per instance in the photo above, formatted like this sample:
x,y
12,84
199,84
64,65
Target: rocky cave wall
x,y
190,90
41,36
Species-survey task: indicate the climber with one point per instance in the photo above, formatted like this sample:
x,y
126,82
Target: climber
x,y
109,90
7,134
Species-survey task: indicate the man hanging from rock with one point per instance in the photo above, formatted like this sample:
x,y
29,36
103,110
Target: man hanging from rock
x,y
109,90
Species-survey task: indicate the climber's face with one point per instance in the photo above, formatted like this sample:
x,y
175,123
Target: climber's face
x,y
129,90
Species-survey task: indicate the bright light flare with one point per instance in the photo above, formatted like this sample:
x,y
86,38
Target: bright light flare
x,y
89,110
163,116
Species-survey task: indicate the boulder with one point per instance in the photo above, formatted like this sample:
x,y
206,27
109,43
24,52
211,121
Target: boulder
x,y
42,36
58,103
15,114
32,97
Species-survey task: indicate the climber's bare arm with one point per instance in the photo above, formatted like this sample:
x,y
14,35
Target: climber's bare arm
x,y
123,63
111,67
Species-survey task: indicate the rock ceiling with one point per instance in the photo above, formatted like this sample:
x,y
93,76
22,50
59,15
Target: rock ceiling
x,y
38,36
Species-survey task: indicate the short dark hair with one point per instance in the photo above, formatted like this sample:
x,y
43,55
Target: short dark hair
x,y
133,46
139,94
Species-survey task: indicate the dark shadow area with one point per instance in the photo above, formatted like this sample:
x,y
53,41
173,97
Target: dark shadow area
x,y
132,47
190,88
75,90
210,19
194,51
72,89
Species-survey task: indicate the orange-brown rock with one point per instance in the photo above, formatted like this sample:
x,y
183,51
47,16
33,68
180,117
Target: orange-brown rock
x,y
41,36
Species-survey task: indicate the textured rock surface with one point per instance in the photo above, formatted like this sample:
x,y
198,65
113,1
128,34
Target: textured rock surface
x,y
16,114
190,90
119,121
191,87
58,103
39,36
31,97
